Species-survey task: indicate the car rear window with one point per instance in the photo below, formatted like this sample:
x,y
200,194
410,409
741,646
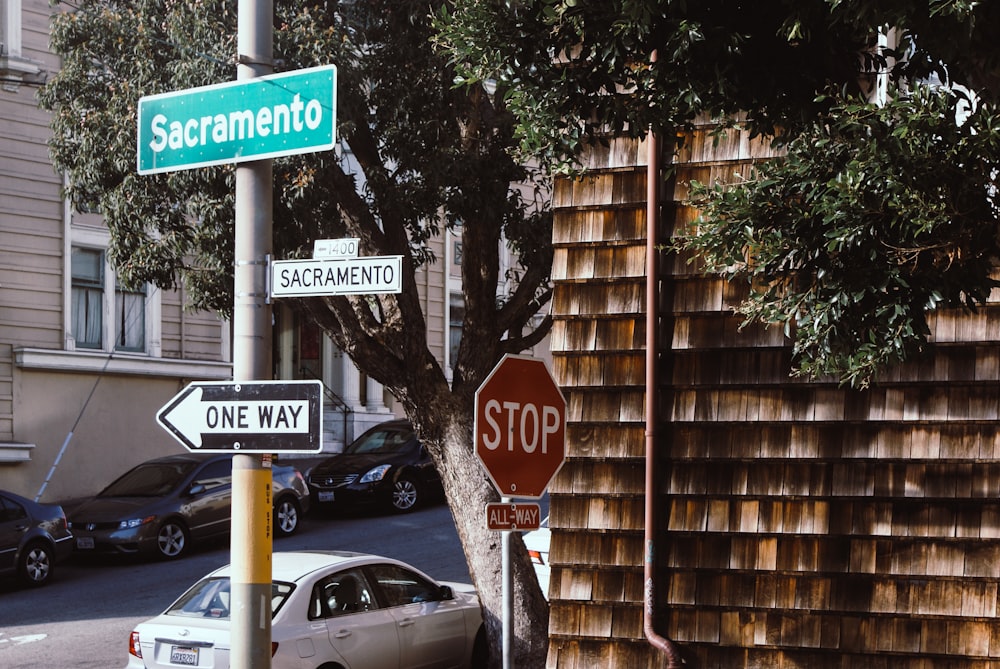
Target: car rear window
x,y
11,510
210,598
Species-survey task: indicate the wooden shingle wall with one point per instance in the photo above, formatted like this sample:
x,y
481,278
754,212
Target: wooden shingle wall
x,y
802,524
596,500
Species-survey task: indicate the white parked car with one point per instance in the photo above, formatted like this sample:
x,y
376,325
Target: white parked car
x,y
330,610
537,543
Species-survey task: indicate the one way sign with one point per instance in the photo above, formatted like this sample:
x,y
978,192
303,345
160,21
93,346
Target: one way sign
x,y
252,417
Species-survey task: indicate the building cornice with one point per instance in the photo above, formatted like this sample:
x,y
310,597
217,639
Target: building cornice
x,y
120,363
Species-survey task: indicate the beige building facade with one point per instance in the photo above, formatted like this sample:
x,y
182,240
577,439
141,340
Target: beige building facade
x,y
84,365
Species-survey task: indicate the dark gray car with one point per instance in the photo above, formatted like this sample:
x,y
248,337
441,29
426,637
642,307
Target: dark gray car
x,y
33,538
161,506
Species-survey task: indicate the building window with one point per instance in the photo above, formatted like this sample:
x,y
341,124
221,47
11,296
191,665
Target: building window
x,y
105,315
130,319
14,67
87,300
456,244
456,314
10,28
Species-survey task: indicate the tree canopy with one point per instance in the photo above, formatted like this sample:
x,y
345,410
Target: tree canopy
x,y
417,155
879,210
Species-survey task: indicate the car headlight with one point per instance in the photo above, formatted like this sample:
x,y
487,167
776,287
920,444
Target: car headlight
x,y
135,522
376,474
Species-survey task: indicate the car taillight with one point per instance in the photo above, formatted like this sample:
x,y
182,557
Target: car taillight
x,y
536,557
133,645
274,648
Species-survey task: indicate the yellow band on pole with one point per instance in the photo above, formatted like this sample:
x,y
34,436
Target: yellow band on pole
x,y
252,528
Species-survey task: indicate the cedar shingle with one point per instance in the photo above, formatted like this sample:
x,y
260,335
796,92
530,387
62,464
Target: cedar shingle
x,y
626,622
564,619
798,515
596,620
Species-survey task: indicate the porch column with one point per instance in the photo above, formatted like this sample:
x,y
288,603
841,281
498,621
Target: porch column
x,y
352,384
375,400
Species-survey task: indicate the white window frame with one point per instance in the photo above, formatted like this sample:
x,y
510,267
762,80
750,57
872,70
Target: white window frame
x,y
10,28
98,239
13,64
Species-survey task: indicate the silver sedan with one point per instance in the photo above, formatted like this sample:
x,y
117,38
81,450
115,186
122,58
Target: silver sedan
x,y
330,609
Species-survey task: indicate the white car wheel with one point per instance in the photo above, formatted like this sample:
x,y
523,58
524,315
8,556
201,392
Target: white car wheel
x,y
405,494
286,517
36,564
171,540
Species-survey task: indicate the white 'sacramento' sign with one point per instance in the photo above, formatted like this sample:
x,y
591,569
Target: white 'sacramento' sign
x,y
251,119
347,276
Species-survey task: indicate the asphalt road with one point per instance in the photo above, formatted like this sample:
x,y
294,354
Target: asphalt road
x,y
83,618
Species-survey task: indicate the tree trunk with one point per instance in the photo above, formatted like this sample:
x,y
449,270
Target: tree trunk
x,y
443,419
469,489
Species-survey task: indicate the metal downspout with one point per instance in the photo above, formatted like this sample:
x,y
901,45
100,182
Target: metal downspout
x,y
658,641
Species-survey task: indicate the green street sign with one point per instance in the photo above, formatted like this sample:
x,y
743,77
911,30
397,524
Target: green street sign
x,y
251,119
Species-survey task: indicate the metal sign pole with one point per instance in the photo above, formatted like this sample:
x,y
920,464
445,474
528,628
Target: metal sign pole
x,y
250,548
507,595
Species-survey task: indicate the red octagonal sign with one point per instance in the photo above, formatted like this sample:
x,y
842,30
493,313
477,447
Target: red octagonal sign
x,y
520,426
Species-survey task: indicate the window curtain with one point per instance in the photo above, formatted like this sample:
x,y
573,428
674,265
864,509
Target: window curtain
x,y
130,320
87,297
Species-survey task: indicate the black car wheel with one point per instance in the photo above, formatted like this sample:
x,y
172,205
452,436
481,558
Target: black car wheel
x,y
171,540
36,564
286,516
405,494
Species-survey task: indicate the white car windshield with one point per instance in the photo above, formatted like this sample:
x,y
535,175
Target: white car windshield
x,y
210,598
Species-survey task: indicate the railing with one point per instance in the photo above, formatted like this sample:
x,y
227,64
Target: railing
x,y
332,398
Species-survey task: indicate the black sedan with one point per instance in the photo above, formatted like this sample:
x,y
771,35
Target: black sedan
x,y
160,506
386,466
33,538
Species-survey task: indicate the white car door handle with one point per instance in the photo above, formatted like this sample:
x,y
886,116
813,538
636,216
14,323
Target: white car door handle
x,y
406,622
342,634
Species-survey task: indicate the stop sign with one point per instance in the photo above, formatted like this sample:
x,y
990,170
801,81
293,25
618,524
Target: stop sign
x,y
520,426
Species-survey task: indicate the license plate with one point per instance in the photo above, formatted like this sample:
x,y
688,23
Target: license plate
x,y
325,495
185,656
85,543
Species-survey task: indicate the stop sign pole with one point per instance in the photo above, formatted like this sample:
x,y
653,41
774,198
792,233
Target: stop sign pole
x,y
520,434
